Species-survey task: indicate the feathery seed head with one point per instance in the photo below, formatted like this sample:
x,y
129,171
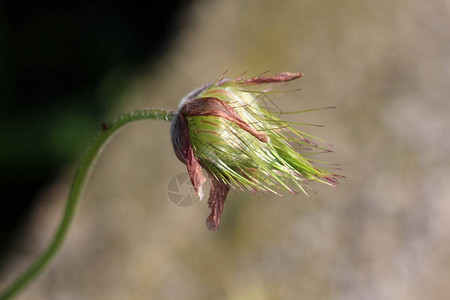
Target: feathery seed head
x,y
225,128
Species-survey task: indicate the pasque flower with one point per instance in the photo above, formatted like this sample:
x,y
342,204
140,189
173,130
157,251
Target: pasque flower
x,y
225,128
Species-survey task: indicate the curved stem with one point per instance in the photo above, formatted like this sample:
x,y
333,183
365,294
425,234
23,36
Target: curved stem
x,y
77,187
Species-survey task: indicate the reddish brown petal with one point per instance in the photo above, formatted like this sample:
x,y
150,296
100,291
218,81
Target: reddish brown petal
x,y
183,149
281,77
211,106
217,196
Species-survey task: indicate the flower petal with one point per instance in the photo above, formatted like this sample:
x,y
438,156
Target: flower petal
x,y
211,106
217,196
281,77
183,150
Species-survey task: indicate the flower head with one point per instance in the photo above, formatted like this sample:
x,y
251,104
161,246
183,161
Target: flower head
x,y
225,128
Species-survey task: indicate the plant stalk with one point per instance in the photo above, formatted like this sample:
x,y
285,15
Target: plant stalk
x,y
76,190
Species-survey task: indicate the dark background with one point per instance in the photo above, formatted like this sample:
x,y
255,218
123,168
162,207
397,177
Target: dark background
x,y
53,57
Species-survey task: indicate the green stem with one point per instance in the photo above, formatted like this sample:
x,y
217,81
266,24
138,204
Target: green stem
x,y
77,188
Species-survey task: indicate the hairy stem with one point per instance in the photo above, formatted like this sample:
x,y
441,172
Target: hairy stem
x,y
76,190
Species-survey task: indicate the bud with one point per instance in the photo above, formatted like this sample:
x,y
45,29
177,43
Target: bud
x,y
224,128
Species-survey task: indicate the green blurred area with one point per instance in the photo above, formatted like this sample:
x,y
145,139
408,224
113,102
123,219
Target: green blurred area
x,y
383,234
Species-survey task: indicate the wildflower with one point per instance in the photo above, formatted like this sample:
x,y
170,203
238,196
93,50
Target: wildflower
x,y
225,128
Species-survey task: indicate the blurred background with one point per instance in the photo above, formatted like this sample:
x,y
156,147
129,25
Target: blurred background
x,y
383,234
